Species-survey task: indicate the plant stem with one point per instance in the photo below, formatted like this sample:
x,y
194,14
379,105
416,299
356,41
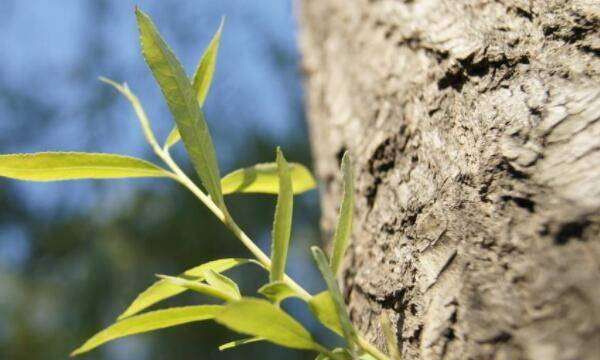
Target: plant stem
x,y
183,179
371,349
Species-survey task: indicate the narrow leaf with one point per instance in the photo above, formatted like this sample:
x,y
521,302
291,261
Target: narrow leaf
x,y
162,289
336,296
336,354
344,226
390,337
137,107
236,343
223,283
367,356
172,139
201,80
278,291
198,287
260,318
206,67
55,166
323,307
183,105
263,178
148,322
282,225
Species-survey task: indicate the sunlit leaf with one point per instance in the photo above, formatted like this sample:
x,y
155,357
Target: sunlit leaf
x,y
338,354
390,337
236,343
260,318
277,291
282,225
201,80
344,226
197,286
183,105
55,166
322,306
203,76
162,290
336,296
173,138
223,283
263,178
150,321
137,107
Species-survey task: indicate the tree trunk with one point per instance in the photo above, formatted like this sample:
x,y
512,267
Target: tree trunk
x,y
476,136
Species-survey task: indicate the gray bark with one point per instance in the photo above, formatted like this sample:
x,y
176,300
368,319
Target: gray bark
x,y
475,128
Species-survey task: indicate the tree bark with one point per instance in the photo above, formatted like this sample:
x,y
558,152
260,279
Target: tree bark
x,y
476,136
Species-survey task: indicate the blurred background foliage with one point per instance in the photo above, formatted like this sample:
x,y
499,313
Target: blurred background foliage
x,y
74,254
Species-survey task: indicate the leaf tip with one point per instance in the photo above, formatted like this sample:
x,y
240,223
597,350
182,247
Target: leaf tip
x,y
315,250
221,25
77,352
346,160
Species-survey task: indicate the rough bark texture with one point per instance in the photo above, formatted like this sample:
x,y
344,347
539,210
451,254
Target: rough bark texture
x,y
475,128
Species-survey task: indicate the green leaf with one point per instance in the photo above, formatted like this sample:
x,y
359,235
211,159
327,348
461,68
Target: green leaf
x,y
198,287
150,321
282,225
344,226
367,356
390,337
55,166
172,139
223,283
336,296
206,67
201,80
278,291
137,107
162,289
236,343
338,354
322,306
263,178
260,318
181,99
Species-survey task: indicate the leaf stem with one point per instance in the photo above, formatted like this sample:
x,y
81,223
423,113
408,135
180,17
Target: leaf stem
x,y
184,180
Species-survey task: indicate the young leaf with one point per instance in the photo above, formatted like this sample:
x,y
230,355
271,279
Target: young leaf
x,y
336,296
282,224
263,178
390,337
260,318
323,307
344,225
198,287
137,107
367,356
338,354
148,322
223,283
56,166
180,97
277,291
201,80
236,343
162,289
172,138
206,67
